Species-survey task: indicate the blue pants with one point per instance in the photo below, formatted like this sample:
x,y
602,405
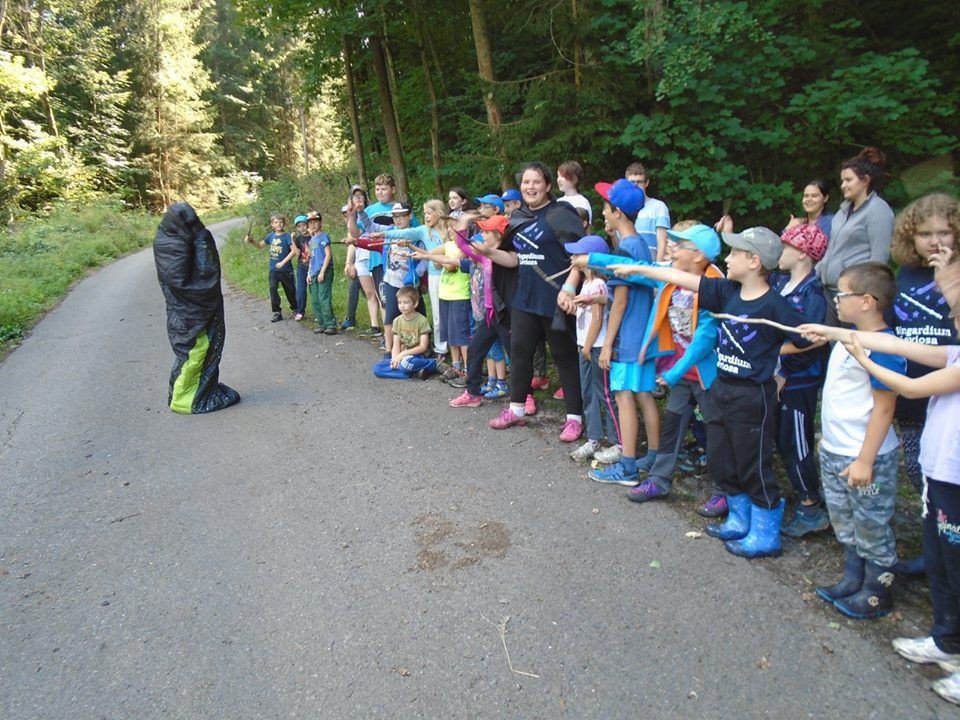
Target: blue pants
x,y
599,405
409,366
302,287
684,398
795,438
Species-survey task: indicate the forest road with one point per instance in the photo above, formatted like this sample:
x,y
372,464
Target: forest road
x,y
338,546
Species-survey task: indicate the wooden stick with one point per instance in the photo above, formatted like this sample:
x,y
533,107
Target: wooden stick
x,y
756,321
558,274
549,280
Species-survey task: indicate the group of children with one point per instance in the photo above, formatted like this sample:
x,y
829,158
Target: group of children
x,y
749,348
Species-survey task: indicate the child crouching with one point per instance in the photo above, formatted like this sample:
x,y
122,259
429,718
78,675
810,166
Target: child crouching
x,y
411,341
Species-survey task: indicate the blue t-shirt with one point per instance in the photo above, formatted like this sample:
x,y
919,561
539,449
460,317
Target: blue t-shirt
x,y
890,362
629,338
803,369
279,245
318,245
748,351
378,208
921,315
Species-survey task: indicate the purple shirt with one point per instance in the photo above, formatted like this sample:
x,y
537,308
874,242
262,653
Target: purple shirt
x,y
940,442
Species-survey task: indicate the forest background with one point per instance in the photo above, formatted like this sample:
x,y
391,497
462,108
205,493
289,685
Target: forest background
x,y
731,105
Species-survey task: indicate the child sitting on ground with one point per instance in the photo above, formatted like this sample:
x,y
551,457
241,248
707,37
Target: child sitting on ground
x,y
411,341
859,451
740,439
599,408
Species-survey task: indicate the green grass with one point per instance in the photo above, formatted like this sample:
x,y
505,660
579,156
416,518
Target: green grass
x,y
41,258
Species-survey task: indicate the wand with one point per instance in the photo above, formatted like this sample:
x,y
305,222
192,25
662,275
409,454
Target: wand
x,y
756,321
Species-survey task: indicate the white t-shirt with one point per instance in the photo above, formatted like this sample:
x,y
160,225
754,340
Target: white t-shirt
x,y
940,442
848,402
578,201
597,286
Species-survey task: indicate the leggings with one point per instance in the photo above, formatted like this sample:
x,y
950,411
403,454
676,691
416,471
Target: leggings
x,y
526,330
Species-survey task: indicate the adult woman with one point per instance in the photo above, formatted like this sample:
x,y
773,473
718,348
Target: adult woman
x,y
358,269
815,197
538,230
863,226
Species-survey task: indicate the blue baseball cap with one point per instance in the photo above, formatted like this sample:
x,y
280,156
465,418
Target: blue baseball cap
x,y
623,195
703,236
512,195
491,199
299,219
586,245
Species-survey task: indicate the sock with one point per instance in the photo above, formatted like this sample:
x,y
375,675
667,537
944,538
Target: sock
x,y
578,418
457,365
518,409
593,443
491,380
629,463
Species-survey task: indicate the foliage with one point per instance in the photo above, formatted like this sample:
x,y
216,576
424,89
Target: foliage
x,y
41,258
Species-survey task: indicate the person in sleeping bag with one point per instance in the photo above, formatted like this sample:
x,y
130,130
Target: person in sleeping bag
x,y
188,268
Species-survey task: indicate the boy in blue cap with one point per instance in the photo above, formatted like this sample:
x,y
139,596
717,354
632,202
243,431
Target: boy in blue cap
x,y
629,313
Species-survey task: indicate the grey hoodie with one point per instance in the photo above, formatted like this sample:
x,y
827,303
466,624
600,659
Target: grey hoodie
x,y
857,236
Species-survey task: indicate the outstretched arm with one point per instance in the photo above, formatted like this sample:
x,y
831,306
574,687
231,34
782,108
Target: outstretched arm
x,y
939,382
934,356
690,281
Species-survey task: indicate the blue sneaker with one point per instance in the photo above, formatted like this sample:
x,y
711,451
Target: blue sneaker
x,y
347,324
615,474
489,385
647,490
806,523
496,393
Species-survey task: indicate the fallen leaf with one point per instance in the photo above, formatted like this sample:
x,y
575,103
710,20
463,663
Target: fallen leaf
x,y
833,625
655,564
763,664
694,534
596,511
807,596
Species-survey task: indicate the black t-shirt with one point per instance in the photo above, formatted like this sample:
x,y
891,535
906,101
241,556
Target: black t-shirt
x,y
748,351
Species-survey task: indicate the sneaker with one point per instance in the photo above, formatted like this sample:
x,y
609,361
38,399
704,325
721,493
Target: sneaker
x,y
608,455
530,406
571,431
425,374
616,474
348,324
685,464
806,523
647,490
948,688
539,383
558,395
277,317
925,650
298,317
442,368
496,393
318,331
507,418
714,507
487,386
370,332
585,451
459,382
450,373
330,331
466,400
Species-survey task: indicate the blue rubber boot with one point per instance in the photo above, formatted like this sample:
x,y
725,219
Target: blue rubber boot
x,y
850,583
763,540
874,599
737,524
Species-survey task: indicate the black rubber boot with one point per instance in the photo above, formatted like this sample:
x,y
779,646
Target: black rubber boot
x,y
875,598
850,583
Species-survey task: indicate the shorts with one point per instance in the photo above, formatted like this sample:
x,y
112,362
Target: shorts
x,y
496,352
363,268
635,377
455,318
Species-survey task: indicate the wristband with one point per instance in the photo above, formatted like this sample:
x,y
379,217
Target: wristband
x,y
568,288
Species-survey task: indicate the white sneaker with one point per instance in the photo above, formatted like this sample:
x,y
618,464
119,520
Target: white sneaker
x,y
608,455
949,688
585,451
924,650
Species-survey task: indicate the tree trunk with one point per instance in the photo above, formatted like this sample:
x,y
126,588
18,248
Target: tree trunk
x,y
352,112
577,49
303,134
38,59
434,109
485,67
390,129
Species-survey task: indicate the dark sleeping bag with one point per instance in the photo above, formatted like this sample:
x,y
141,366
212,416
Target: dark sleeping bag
x,y
188,267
